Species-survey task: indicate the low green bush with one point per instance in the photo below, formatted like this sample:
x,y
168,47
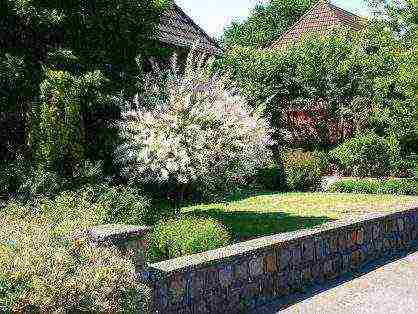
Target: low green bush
x,y
48,266
375,186
405,168
270,178
365,155
186,236
303,170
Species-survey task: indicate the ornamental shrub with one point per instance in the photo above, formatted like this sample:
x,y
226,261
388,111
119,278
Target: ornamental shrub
x,y
364,155
303,170
198,136
375,186
48,266
186,236
271,177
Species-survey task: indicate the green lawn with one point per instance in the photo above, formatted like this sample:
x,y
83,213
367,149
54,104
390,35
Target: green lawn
x,y
274,213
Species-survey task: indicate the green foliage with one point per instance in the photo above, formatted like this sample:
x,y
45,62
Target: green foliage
x,y
47,265
124,204
364,155
265,23
303,170
99,40
56,135
364,80
374,186
20,181
186,236
405,168
271,178
77,35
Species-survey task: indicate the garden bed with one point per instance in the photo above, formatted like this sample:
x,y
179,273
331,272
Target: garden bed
x,y
268,214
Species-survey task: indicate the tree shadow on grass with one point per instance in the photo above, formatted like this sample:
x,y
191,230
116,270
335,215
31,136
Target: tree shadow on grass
x,y
249,225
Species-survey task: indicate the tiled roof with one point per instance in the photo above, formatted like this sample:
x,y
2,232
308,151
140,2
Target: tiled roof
x,y
178,29
320,19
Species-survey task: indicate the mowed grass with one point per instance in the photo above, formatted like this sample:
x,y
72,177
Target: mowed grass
x,y
275,213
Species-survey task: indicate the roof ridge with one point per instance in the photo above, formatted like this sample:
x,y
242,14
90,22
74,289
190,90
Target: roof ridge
x,y
342,15
334,8
298,20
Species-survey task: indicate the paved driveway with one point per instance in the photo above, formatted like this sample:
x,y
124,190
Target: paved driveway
x,y
392,288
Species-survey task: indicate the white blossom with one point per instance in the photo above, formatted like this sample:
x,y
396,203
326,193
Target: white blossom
x,y
198,135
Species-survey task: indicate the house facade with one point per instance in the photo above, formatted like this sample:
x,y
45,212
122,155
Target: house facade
x,y
322,18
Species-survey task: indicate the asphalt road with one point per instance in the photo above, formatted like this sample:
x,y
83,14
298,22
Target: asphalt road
x,y
387,289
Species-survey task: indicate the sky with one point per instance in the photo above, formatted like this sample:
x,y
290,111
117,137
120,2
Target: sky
x,y
214,15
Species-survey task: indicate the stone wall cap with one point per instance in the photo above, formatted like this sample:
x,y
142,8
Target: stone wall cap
x,y
104,232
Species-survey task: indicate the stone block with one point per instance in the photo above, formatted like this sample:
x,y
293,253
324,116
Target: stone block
x,y
333,243
349,237
356,258
201,307
250,291
197,285
342,242
308,251
255,267
241,271
184,310
233,297
368,234
307,275
295,278
401,224
214,299
353,236
388,243
346,262
320,249
283,283
283,279
388,226
212,278
296,253
177,289
377,232
284,258
161,296
360,236
317,271
226,275
270,263
414,234
268,285
328,268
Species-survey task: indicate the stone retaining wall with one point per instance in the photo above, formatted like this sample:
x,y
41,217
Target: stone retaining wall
x,y
240,277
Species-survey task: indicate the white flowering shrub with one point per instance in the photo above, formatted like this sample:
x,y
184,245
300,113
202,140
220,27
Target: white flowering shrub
x,y
196,134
